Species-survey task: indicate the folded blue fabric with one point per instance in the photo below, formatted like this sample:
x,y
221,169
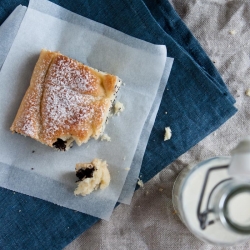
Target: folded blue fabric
x,y
196,99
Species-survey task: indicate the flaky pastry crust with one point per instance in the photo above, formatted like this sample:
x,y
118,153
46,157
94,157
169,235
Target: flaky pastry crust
x,y
66,101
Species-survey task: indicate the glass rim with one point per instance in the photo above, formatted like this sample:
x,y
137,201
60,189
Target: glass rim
x,y
225,217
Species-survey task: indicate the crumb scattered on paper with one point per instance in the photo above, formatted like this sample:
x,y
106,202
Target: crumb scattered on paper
x,y
127,169
123,84
105,137
232,32
140,183
168,133
92,176
247,92
118,108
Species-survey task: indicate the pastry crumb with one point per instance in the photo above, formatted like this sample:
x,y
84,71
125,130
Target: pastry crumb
x,y
232,32
140,183
105,137
168,133
247,92
92,176
127,169
118,108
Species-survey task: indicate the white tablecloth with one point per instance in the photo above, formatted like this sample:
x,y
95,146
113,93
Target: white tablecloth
x,y
223,29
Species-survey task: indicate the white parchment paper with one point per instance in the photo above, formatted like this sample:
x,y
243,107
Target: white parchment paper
x,y
139,64
132,177
8,32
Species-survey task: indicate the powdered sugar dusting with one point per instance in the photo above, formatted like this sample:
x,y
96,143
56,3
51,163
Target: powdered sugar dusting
x,y
69,107
64,108
65,100
68,73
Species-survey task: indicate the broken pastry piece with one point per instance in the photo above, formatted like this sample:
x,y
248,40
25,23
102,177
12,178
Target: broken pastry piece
x,y
118,108
168,134
66,101
92,176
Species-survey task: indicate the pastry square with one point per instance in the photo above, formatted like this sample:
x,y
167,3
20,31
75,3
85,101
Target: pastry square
x,y
66,101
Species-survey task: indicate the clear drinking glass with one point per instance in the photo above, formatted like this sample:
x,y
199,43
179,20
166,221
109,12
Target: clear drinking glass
x,y
214,206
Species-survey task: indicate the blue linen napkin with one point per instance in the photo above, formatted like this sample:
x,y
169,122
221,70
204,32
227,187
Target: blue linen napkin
x,y
196,99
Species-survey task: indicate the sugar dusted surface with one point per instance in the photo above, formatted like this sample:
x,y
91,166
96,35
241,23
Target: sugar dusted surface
x,y
66,72
66,99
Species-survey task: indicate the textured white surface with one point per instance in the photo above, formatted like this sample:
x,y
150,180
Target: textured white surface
x,y
150,222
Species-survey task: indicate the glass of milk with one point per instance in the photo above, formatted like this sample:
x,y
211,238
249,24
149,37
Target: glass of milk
x,y
214,205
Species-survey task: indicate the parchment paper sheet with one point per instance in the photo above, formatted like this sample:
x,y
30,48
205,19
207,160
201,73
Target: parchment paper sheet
x,y
8,31
140,65
15,20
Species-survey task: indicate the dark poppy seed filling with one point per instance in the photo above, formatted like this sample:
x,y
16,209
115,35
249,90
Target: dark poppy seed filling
x,y
60,144
85,173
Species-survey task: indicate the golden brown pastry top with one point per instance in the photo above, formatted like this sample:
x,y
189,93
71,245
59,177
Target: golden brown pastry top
x,y
65,99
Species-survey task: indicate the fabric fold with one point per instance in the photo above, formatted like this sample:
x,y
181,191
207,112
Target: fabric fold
x,y
162,16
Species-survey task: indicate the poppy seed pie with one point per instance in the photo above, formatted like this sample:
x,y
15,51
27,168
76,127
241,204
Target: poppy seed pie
x,y
66,101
